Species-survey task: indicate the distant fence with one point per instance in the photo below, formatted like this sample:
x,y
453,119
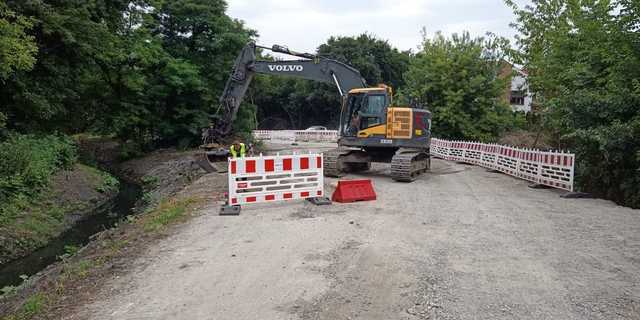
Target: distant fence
x,y
296,135
554,169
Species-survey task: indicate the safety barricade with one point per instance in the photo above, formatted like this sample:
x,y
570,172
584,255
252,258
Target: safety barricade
x,y
317,136
275,178
262,135
296,135
554,169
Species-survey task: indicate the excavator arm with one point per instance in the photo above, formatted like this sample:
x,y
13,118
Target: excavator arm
x,y
313,67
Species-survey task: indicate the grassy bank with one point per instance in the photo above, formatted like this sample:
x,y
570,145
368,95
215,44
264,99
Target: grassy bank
x,y
76,271
65,284
41,184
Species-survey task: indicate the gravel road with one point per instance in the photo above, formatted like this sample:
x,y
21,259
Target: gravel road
x,y
459,243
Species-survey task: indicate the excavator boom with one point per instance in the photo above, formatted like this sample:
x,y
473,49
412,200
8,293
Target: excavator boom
x,y
313,67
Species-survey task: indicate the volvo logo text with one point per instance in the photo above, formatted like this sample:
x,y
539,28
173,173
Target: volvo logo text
x,y
297,68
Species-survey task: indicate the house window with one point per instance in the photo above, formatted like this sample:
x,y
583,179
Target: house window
x,y
517,97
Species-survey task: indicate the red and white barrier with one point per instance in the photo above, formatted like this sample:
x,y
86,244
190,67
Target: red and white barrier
x,y
275,178
554,169
296,135
317,136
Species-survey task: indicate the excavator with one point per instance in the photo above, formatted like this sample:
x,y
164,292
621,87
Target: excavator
x,y
371,128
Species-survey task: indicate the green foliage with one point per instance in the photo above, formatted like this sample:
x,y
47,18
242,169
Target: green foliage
x,y
17,47
246,119
27,162
458,79
150,182
8,290
166,213
26,166
34,305
71,250
376,59
584,64
110,183
148,71
105,182
614,148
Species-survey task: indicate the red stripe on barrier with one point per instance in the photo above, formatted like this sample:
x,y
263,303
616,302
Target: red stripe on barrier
x,y
233,167
251,199
286,164
319,193
304,163
319,162
250,166
288,195
270,197
234,201
269,165
304,194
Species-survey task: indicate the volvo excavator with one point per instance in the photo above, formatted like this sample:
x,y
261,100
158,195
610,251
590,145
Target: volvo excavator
x,y
371,128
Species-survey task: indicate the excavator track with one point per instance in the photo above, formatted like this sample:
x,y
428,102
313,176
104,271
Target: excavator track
x,y
333,164
408,165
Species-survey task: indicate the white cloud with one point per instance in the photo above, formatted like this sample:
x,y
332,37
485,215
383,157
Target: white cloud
x,y
303,26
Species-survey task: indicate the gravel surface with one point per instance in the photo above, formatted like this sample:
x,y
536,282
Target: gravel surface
x,y
459,243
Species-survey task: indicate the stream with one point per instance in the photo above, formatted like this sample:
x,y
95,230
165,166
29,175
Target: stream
x,y
103,217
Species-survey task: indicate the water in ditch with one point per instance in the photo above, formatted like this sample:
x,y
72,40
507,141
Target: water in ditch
x,y
104,217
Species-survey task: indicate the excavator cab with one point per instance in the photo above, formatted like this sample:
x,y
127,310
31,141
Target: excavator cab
x,y
365,112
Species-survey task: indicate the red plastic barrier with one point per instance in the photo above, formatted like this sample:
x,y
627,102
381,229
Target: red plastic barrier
x,y
353,190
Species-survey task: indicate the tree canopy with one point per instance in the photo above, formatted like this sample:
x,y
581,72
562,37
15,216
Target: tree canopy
x,y
144,70
583,59
457,78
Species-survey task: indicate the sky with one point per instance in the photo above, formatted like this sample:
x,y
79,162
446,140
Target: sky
x,y
303,25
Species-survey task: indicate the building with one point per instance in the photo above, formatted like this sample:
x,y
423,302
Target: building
x,y
517,94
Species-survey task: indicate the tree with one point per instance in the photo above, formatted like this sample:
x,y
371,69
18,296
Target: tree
x,y
62,92
584,64
17,48
376,59
185,50
457,79
146,70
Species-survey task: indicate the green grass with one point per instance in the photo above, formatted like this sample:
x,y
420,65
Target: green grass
x,y
32,307
167,212
34,304
103,180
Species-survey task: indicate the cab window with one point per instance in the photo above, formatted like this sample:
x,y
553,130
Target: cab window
x,y
376,104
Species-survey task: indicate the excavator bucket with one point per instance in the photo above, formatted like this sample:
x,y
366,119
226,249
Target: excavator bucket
x,y
212,158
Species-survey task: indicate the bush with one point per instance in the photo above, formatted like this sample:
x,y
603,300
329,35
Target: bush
x,y
27,162
608,161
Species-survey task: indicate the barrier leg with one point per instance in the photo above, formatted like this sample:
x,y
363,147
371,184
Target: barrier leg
x,y
320,201
228,210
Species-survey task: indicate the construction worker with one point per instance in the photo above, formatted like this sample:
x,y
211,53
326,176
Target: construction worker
x,y
355,124
238,150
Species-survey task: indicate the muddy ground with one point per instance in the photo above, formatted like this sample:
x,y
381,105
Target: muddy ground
x,y
459,243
